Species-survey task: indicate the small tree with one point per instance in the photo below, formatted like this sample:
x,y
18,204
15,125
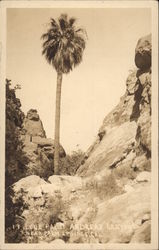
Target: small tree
x,y
63,48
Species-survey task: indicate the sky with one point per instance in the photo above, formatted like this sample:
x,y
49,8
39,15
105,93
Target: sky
x,y
93,88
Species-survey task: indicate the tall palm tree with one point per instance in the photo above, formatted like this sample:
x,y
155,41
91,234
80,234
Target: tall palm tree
x,y
63,48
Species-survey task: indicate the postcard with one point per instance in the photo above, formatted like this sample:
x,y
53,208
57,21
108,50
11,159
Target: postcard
x,y
79,125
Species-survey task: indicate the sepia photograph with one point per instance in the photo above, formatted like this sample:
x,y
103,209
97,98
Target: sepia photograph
x,y
79,125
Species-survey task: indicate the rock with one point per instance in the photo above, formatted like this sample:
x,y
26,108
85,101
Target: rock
x,y
42,142
141,163
138,222
32,125
146,217
112,146
57,241
144,177
47,146
35,192
98,177
32,115
38,148
101,134
66,181
50,190
143,53
142,234
118,215
27,182
128,188
143,135
132,83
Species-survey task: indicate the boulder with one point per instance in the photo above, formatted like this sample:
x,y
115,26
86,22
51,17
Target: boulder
x,y
144,176
118,216
143,53
57,241
27,182
32,115
66,181
142,234
32,125
141,163
128,188
47,146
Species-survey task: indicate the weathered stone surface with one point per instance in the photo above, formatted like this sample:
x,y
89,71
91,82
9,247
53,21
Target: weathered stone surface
x,y
128,188
144,133
143,176
57,241
32,125
141,163
118,215
36,187
135,105
47,146
142,234
112,146
33,115
131,83
74,182
143,53
38,148
49,190
28,181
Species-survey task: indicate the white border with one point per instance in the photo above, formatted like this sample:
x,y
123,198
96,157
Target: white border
x,y
86,4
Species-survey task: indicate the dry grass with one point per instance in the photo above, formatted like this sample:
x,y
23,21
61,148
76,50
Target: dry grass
x,y
105,188
124,172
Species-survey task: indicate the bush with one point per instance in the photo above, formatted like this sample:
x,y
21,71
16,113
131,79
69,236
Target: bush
x,y
44,222
15,161
105,188
14,222
124,172
70,163
43,167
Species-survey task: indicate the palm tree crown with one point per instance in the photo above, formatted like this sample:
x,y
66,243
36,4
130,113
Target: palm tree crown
x,y
64,44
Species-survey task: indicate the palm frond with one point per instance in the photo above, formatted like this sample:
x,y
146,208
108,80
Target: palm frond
x,y
64,44
63,22
72,20
54,23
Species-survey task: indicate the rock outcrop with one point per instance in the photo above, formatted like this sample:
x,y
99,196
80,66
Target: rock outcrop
x,y
38,148
143,53
126,131
32,125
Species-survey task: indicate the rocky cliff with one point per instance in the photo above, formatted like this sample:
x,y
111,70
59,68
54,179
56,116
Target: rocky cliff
x,y
108,201
124,138
38,148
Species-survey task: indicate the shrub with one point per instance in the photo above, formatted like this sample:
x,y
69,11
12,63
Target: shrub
x,y
14,222
105,188
15,161
70,163
44,222
124,172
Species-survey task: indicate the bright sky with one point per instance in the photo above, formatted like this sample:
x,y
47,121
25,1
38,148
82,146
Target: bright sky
x,y
92,89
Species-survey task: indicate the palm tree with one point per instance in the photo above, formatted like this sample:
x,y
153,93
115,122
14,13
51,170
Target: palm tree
x,y
63,48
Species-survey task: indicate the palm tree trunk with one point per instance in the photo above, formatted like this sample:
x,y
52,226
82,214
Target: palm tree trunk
x,y
57,123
